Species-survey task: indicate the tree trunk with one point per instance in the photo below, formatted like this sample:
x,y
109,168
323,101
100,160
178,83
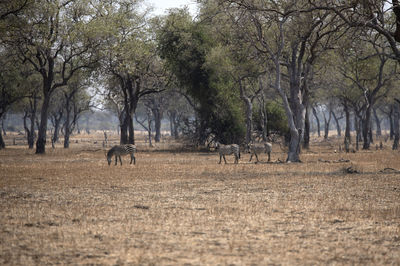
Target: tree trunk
x,y
396,130
306,141
318,123
264,122
327,122
347,130
357,128
157,114
371,139
338,129
56,124
30,131
249,113
2,144
171,116
131,130
42,130
124,129
366,128
173,124
149,127
295,113
391,132
378,124
3,127
67,129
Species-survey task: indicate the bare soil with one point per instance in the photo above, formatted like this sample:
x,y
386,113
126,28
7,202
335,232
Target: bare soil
x,y
176,207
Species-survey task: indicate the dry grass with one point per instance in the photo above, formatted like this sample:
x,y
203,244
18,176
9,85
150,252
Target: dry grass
x,y
171,208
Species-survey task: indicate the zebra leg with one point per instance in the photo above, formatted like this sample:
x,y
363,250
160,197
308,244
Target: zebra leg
x,y
120,159
251,157
116,159
256,157
133,158
224,158
236,159
220,158
269,156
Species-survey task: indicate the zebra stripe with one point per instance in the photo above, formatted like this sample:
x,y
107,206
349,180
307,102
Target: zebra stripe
x,y
257,148
228,150
119,150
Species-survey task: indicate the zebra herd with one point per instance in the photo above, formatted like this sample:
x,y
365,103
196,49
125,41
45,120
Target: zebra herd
x,y
253,148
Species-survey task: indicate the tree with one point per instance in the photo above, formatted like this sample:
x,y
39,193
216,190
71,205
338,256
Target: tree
x,y
374,15
286,39
11,91
130,58
57,40
30,105
179,108
77,100
368,68
9,8
186,47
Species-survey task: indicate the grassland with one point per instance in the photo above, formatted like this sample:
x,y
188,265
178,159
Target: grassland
x,y
176,207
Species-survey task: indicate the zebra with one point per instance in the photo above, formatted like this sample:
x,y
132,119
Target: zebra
x,y
119,150
257,148
228,150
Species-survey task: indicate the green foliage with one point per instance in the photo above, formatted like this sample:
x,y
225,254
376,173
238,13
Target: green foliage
x,y
186,47
277,119
13,79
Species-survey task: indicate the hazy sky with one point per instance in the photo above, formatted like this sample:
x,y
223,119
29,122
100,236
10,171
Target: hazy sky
x,y
160,6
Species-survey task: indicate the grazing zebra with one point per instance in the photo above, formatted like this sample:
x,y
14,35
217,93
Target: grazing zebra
x,y
228,150
119,150
257,148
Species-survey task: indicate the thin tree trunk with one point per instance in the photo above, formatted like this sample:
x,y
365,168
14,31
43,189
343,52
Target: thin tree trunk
x,y
30,131
396,117
3,127
357,128
378,124
249,112
391,132
318,123
157,123
173,124
366,128
306,141
347,130
67,129
264,122
171,116
2,144
338,129
371,139
149,127
327,122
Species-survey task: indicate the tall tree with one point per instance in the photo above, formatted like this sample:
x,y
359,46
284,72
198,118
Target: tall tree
x,y
287,39
377,16
368,68
77,100
53,37
11,85
130,57
186,47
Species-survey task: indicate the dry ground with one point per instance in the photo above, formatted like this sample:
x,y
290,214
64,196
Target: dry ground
x,y
174,208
